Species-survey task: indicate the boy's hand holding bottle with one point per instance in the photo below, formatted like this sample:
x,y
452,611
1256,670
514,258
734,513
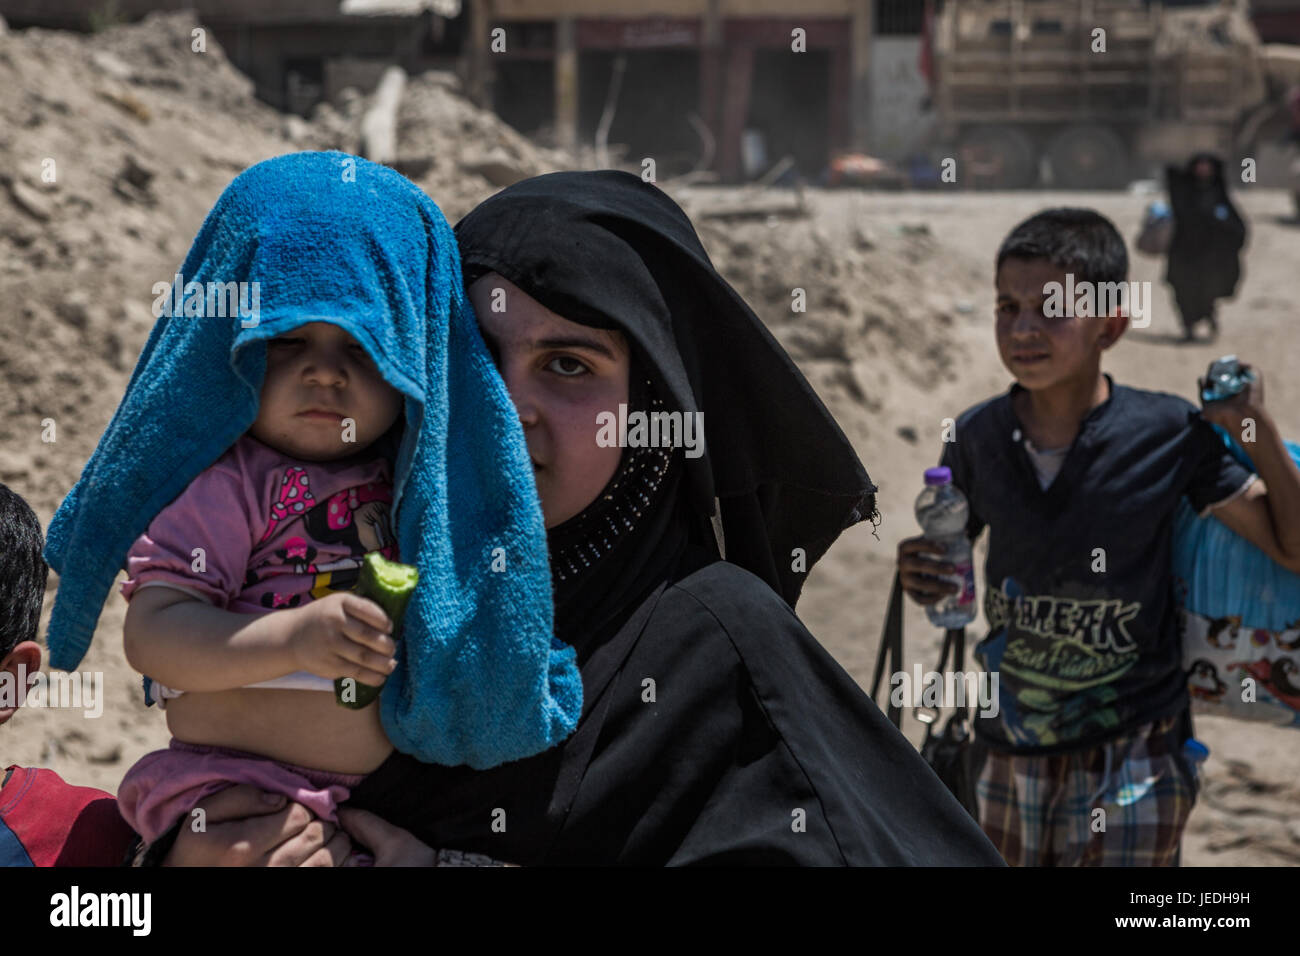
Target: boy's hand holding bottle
x,y
921,576
946,586
1242,389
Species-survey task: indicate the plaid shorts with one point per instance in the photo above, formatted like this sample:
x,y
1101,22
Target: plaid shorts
x,y
1123,803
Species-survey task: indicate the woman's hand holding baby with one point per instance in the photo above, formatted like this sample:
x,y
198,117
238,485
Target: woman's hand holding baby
x,y
246,826
342,635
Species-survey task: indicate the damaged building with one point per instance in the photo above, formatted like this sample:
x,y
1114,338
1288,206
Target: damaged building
x,y
297,52
726,85
730,86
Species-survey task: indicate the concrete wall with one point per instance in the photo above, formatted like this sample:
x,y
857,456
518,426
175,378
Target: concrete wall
x,y
897,92
350,71
266,53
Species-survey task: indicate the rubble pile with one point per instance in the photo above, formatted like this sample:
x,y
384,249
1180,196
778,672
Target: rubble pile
x,y
116,145
873,306
121,142
456,152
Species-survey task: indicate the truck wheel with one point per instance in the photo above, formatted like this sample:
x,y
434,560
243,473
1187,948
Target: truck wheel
x,y
997,157
1088,157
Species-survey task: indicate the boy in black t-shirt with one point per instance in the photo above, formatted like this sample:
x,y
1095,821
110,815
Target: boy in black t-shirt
x,y
1077,479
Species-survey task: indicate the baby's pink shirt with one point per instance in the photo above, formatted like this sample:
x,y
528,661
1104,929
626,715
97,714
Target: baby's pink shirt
x,y
275,532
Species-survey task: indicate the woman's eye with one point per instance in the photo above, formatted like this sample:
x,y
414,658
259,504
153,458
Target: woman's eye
x,y
567,366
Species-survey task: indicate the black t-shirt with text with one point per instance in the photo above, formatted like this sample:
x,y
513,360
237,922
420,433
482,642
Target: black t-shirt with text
x,y
1083,633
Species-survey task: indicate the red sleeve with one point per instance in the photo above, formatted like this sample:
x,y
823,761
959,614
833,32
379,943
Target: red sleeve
x,y
57,824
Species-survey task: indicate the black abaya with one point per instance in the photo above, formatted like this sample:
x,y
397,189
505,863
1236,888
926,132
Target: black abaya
x,y
1206,244
751,746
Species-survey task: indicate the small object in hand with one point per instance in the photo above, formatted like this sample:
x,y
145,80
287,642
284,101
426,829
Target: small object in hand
x,y
1157,229
390,585
1225,379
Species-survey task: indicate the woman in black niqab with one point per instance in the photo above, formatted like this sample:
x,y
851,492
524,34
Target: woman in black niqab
x,y
715,729
1207,240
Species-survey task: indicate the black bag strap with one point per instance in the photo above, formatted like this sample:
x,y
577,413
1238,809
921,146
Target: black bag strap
x,y
890,658
954,640
954,643
890,654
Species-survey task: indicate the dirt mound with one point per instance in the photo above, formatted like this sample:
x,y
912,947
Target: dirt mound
x,y
873,309
120,142
456,152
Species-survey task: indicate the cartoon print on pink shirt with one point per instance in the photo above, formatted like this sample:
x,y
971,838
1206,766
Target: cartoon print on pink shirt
x,y
295,499
357,518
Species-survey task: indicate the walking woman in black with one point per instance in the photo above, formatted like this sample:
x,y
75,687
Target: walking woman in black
x,y
715,729
1207,240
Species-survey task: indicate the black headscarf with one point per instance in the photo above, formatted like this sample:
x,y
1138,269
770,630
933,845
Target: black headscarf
x,y
607,250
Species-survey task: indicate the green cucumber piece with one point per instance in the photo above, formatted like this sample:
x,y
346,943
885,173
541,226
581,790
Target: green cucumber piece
x,y
390,585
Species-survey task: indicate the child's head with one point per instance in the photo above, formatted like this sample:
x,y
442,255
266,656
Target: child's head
x,y
317,377
1046,334
22,587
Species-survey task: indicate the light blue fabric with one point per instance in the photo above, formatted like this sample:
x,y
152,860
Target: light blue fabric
x,y
1225,574
331,237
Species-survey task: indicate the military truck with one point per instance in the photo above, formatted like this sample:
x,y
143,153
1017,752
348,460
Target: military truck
x,y
1093,93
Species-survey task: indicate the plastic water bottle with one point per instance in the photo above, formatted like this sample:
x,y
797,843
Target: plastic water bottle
x,y
942,511
1225,378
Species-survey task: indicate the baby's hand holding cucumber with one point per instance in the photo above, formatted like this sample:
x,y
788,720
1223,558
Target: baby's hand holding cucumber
x,y
341,635
389,585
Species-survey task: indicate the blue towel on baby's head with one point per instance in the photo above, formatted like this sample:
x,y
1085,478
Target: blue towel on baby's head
x,y
331,237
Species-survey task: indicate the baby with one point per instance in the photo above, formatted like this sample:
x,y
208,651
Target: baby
x,y
263,461
240,611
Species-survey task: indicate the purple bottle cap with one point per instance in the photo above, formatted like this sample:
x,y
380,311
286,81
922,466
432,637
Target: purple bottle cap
x,y
938,476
